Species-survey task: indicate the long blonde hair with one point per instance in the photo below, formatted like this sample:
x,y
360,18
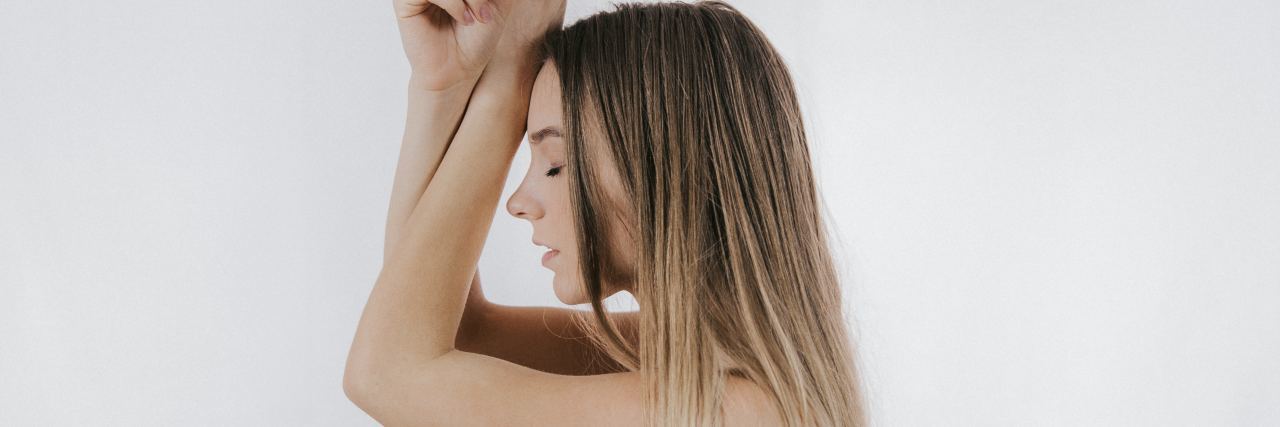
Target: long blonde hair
x,y
699,115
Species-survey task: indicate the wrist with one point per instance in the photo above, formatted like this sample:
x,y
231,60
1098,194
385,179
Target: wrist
x,y
515,73
503,92
426,84
523,61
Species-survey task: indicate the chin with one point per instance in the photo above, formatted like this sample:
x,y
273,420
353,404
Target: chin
x,y
569,293
570,296
573,294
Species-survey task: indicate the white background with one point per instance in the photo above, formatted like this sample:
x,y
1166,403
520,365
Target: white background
x,y
1049,212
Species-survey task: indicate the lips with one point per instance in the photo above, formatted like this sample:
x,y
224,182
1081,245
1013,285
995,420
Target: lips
x,y
550,254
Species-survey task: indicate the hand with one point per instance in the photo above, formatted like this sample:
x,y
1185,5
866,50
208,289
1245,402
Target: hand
x,y
448,41
524,23
497,104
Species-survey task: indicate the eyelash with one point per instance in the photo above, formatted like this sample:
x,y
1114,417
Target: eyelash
x,y
554,171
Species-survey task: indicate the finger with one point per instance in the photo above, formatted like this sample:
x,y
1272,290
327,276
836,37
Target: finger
x,y
409,8
480,11
457,9
496,12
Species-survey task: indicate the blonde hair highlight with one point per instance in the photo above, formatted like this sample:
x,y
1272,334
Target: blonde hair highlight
x,y
699,115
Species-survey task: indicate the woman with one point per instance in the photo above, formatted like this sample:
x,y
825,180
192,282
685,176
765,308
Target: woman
x,y
669,160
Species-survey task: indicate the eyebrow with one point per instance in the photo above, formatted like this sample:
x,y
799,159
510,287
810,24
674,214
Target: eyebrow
x,y
549,131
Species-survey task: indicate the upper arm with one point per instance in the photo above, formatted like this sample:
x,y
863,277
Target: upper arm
x,y
468,389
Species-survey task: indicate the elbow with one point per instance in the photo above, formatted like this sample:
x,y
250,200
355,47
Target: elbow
x,y
357,378
356,387
353,386
395,398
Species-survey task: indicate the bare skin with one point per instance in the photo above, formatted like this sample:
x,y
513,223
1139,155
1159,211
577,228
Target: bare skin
x,y
429,350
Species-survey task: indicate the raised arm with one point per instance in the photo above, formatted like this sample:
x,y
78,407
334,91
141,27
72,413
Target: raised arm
x,y
446,62
448,46
431,120
446,57
403,367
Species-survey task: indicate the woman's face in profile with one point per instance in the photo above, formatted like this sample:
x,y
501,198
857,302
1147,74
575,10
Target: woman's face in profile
x,y
543,196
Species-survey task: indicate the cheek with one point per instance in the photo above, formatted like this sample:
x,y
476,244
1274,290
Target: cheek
x,y
556,194
559,216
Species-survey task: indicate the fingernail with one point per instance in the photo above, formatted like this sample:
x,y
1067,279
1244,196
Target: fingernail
x,y
467,18
486,12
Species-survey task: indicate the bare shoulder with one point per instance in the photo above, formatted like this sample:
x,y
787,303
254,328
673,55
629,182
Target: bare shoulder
x,y
748,404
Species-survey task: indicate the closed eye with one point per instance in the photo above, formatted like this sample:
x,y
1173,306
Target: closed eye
x,y
554,171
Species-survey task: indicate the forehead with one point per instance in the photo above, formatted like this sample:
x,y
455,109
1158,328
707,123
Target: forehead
x,y
544,99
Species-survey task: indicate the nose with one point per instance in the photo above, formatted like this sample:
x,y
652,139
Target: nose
x,y
522,205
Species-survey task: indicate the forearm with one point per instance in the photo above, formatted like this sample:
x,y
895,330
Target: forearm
x,y
430,122
414,311
507,82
